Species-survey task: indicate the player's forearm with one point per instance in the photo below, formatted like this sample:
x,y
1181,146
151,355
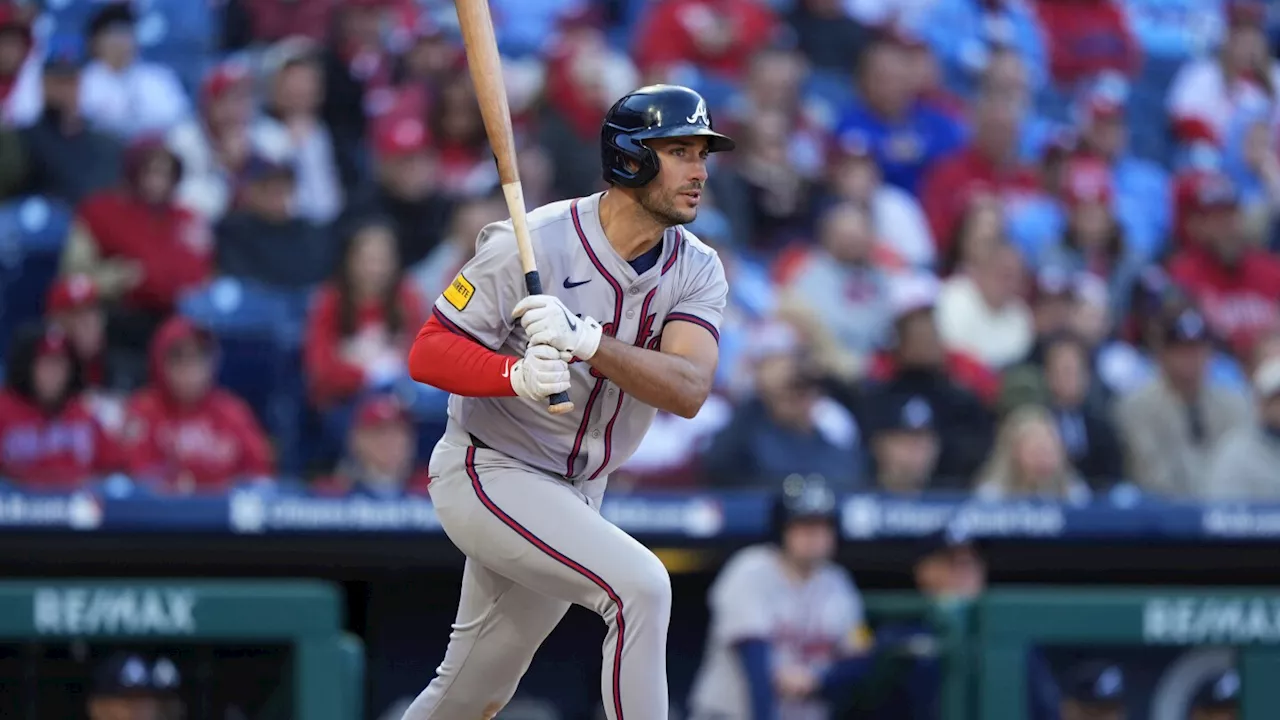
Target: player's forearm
x,y
453,363
662,380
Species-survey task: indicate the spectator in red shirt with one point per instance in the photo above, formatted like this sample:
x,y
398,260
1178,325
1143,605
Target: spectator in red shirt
x,y
139,246
380,454
989,164
361,327
183,433
49,438
1237,286
73,307
717,36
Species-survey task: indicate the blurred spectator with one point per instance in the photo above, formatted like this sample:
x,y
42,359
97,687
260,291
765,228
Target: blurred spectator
x,y
1141,186
989,164
900,224
130,687
1088,434
272,20
74,308
982,314
904,445
379,454
827,35
67,159
20,96
1170,424
919,366
184,434
1029,461
789,426
430,55
442,265
456,128
215,145
1053,300
1237,286
1093,239
357,77
906,137
840,284
360,327
1218,698
775,81
1251,162
1208,92
49,438
120,93
263,239
979,233
713,36
584,77
406,190
295,93
1094,691
139,246
779,199
1087,37
1243,463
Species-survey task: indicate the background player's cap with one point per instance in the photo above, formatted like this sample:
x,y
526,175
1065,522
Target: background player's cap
x,y
1096,683
1221,692
805,498
132,675
651,112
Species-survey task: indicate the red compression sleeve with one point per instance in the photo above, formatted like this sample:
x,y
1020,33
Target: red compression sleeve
x,y
457,364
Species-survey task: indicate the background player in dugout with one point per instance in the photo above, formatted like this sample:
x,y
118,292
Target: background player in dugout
x,y
518,489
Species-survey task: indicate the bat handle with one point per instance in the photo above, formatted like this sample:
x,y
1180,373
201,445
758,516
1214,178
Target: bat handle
x,y
560,402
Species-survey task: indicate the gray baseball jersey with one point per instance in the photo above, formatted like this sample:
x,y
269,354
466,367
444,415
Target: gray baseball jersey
x,y
808,624
518,489
578,265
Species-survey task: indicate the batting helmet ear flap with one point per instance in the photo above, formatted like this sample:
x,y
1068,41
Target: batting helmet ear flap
x,y
620,147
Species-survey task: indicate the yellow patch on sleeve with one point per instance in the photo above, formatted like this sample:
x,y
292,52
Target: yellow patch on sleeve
x,y
459,292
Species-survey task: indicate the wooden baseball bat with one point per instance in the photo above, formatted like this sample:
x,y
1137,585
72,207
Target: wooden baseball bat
x,y
491,92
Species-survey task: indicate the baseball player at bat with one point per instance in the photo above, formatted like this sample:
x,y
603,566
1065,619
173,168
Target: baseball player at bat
x,y
628,325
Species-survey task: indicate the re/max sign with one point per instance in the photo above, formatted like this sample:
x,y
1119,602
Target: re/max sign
x,y
115,611
1193,621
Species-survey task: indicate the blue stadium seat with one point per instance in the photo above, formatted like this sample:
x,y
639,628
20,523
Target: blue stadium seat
x,y
32,234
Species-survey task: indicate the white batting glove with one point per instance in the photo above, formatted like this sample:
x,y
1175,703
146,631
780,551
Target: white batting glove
x,y
540,374
549,322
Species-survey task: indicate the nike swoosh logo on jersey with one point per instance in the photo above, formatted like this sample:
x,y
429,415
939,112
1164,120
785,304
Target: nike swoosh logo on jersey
x,y
572,324
571,285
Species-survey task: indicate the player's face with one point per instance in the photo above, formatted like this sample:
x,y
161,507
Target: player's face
x,y
190,370
809,541
384,449
672,198
50,376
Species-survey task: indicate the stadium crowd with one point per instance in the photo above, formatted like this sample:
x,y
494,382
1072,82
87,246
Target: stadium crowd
x,y
1023,248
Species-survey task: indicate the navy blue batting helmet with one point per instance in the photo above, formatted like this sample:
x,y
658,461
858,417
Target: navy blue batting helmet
x,y
653,111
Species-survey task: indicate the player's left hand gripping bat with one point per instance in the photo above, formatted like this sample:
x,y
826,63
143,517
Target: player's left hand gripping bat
x,y
486,74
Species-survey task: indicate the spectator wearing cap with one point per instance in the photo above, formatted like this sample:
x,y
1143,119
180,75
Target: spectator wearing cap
x,y
1218,698
1236,285
1141,197
1029,460
827,35
841,285
1244,461
982,314
899,221
1170,425
121,93
1094,240
141,249
406,189
715,39
1209,91
183,434
51,439
990,163
904,444
215,144
263,239
584,76
790,426
918,366
1087,38
357,79
907,138
380,453
131,686
66,158
74,306
20,97
292,108
1094,691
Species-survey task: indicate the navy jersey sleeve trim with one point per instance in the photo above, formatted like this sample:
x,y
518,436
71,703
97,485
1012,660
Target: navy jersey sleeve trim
x,y
456,328
686,317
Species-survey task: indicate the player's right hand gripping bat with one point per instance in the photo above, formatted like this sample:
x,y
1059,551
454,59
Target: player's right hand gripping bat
x,y
486,74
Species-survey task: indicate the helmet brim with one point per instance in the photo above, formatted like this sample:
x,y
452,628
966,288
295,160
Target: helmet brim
x,y
715,141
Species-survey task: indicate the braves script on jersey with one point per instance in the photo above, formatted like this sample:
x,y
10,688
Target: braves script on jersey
x,y
578,265
809,624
